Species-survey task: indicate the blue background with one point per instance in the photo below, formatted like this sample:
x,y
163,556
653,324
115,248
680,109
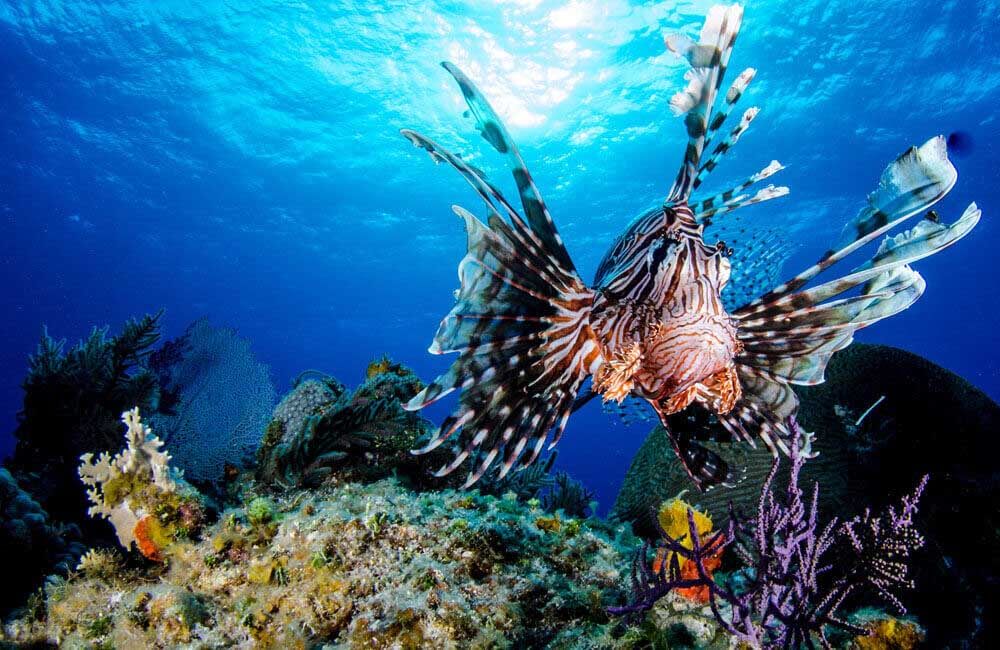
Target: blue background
x,y
245,164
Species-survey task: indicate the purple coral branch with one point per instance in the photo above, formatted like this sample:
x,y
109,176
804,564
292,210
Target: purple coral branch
x,y
792,594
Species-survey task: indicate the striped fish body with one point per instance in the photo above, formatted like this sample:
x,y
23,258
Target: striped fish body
x,y
658,314
529,332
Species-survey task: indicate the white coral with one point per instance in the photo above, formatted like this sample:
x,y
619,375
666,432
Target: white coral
x,y
143,453
141,457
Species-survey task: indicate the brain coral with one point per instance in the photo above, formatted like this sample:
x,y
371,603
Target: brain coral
x,y
27,535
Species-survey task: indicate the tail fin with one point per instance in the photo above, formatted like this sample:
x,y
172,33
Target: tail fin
x,y
520,323
789,335
709,58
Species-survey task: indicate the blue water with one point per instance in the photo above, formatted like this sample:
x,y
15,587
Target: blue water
x,y
245,164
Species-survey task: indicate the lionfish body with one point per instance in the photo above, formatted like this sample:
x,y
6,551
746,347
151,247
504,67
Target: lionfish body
x,y
653,325
658,313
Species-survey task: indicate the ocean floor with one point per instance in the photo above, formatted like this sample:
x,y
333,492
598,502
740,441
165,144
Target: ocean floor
x,y
359,566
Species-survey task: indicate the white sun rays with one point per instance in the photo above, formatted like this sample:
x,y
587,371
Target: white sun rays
x,y
538,61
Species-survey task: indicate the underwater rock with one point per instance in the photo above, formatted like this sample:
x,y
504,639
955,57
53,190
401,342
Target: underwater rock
x,y
320,428
680,622
924,419
372,565
72,404
31,543
886,632
219,398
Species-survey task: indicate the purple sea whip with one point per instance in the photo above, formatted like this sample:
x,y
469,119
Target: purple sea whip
x,y
796,573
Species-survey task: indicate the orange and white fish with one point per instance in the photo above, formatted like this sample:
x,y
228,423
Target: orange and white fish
x,y
529,331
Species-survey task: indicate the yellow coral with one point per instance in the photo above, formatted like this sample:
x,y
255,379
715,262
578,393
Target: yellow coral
x,y
890,634
549,524
673,518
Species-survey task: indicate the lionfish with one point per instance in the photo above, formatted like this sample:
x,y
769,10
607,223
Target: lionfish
x,y
529,331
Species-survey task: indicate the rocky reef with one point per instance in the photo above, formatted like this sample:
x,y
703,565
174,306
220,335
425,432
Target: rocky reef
x,y
357,563
371,565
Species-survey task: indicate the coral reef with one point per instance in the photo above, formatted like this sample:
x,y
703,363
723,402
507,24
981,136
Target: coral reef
x,y
929,420
31,543
372,565
320,427
72,401
887,633
148,505
797,574
219,396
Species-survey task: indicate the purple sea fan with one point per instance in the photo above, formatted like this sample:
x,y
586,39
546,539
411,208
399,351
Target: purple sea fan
x,y
883,546
797,574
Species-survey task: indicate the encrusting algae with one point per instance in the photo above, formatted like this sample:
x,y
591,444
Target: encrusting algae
x,y
890,633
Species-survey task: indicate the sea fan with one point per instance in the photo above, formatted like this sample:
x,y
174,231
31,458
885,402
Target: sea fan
x,y
221,399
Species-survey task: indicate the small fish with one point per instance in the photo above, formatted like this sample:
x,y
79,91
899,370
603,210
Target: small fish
x,y
654,324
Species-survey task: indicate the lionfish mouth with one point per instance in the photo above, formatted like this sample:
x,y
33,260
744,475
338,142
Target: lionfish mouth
x,y
718,393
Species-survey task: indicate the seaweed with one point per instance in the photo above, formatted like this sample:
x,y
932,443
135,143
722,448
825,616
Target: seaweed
x,y
569,495
72,404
